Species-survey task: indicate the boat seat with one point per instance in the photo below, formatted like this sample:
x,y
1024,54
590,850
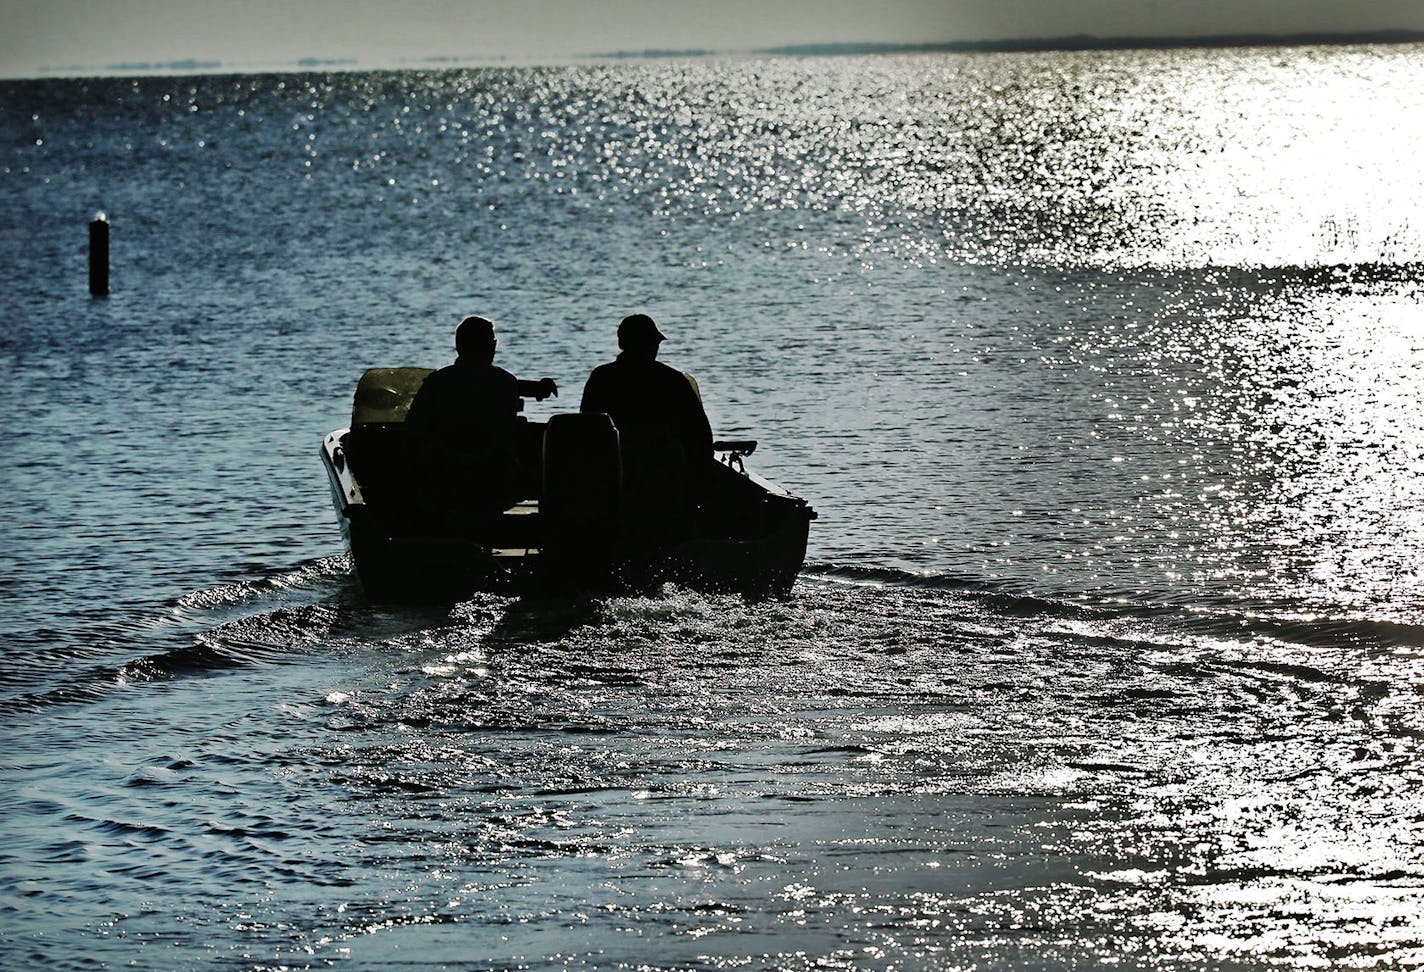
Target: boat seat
x,y
383,395
380,457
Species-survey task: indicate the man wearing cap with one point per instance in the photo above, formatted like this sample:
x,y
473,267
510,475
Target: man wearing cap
x,y
649,402
662,428
463,422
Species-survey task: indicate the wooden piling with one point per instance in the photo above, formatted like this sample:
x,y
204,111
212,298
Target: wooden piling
x,y
99,256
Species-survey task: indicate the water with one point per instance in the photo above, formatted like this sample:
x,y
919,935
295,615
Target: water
x,y
1100,368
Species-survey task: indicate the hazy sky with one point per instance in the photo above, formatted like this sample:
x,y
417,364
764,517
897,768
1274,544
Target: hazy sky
x,y
40,37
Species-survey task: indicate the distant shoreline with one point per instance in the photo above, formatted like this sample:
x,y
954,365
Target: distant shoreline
x,y
1075,42
1092,42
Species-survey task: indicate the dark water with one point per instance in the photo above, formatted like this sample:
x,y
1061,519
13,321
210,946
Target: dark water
x,y
1102,370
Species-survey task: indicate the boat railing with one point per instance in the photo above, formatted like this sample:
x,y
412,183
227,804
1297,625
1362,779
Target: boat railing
x,y
734,451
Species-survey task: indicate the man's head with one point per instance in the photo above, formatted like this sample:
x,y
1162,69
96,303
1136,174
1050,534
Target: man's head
x,y
638,333
474,339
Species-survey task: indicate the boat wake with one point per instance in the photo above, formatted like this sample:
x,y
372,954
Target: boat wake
x,y
316,609
326,576
277,618
1154,618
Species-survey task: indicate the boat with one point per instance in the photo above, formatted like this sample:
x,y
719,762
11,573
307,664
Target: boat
x,y
575,526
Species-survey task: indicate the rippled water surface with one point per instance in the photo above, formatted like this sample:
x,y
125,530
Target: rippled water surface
x,y
1101,369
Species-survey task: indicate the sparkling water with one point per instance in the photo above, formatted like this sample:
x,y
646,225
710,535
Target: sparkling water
x,y
1100,368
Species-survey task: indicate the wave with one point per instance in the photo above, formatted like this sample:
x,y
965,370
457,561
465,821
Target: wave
x,y
277,618
1170,615
287,616
324,572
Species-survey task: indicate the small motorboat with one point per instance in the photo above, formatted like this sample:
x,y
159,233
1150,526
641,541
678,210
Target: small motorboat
x,y
576,526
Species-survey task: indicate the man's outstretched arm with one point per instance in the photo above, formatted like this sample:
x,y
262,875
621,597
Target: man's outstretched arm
x,y
538,390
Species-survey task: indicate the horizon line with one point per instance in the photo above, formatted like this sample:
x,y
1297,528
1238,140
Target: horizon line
x,y
1065,43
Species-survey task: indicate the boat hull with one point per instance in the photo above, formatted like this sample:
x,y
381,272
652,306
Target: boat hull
x,y
749,538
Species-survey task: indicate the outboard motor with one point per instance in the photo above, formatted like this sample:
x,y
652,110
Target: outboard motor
x,y
583,482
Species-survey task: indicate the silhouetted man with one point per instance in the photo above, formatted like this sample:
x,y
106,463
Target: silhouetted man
x,y
663,430
463,421
648,401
